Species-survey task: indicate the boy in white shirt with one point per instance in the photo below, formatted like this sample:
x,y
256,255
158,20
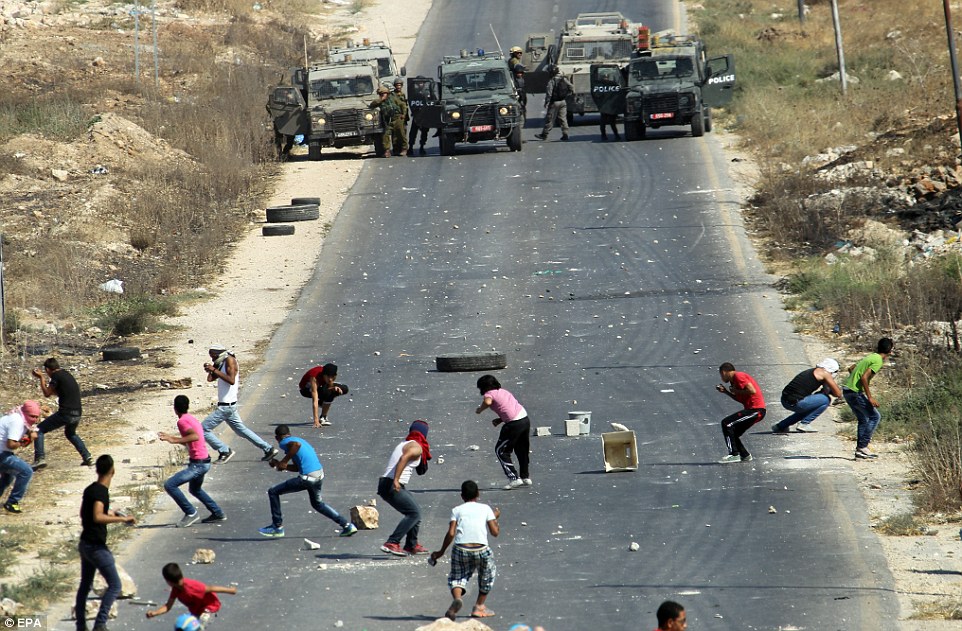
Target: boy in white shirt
x,y
470,524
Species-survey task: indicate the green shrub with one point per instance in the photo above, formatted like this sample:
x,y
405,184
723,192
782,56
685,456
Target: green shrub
x,y
133,314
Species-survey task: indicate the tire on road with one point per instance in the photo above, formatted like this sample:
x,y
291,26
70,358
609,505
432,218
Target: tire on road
x,y
463,362
698,125
708,123
447,142
514,139
120,353
278,230
301,201
287,214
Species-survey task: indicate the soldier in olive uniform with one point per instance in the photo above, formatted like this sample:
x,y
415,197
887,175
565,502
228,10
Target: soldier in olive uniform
x,y
385,105
398,128
515,58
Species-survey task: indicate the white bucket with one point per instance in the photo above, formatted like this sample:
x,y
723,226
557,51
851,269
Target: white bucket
x,y
584,418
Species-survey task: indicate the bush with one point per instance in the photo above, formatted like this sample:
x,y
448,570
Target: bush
x,y
58,117
134,314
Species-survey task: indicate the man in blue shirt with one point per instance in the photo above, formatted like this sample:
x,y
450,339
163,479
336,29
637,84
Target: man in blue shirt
x,y
301,458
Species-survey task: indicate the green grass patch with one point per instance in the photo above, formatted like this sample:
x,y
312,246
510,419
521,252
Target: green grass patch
x,y
133,314
14,540
55,117
41,588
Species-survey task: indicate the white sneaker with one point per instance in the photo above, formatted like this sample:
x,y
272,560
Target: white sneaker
x,y
805,428
527,481
730,459
325,422
513,484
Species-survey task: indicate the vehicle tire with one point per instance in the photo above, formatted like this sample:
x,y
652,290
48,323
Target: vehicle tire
x,y
120,353
708,123
463,362
314,151
301,201
278,230
447,144
287,214
698,125
514,139
379,146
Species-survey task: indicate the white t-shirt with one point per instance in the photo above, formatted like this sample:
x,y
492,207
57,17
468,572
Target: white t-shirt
x,y
472,519
11,428
395,459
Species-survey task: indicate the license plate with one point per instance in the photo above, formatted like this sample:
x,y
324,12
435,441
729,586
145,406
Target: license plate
x,y
482,128
662,115
344,134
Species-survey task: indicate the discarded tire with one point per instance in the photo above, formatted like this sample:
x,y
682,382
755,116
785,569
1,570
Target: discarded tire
x,y
120,353
471,361
280,230
299,201
286,214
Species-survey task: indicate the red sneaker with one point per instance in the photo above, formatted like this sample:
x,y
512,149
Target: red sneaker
x,y
394,548
418,549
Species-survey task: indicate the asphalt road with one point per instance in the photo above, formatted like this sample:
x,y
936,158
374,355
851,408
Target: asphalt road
x,y
616,277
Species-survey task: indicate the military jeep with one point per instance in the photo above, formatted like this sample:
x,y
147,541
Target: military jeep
x,y
327,105
477,101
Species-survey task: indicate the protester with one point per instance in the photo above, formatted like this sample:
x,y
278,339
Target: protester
x,y
671,617
514,431
409,455
14,435
317,384
746,391
807,396
54,380
200,599
858,395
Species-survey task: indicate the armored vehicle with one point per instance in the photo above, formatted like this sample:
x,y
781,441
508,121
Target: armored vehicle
x,y
538,56
377,53
477,100
594,38
674,84
328,106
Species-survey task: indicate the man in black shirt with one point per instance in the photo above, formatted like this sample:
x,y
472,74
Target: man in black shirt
x,y
95,514
62,384
807,396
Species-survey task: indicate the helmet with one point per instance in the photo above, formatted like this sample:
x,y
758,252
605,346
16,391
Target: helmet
x,y
187,622
383,90
398,81
519,68
515,49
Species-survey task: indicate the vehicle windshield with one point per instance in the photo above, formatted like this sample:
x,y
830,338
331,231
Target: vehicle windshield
x,y
596,50
661,68
322,89
490,79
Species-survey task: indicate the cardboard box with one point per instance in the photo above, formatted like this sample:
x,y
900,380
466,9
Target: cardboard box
x,y
620,450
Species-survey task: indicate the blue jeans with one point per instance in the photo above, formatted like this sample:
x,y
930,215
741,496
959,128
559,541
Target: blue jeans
x,y
13,469
805,410
403,502
194,475
96,557
67,420
868,416
228,414
313,489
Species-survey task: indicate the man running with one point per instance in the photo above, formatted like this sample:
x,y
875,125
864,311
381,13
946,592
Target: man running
x,y
411,453
14,433
54,380
746,391
858,395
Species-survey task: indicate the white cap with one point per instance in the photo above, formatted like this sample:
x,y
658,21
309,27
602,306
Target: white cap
x,y
216,346
828,364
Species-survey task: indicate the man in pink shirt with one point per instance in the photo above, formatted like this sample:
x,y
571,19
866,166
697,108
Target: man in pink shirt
x,y
745,390
514,431
192,437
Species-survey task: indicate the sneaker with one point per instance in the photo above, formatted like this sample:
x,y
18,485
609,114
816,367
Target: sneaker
x,y
748,458
730,458
422,152
224,456
188,520
325,422
564,137
348,530
270,453
513,484
39,464
777,430
393,548
453,610
88,462
418,549
527,481
12,508
271,531
539,137
865,454
213,519
805,428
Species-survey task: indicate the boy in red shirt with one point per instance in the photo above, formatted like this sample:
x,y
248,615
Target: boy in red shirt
x,y
201,600
745,390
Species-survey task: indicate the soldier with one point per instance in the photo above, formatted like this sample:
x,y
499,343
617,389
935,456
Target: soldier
x,y
399,123
515,57
387,109
556,104
518,72
420,96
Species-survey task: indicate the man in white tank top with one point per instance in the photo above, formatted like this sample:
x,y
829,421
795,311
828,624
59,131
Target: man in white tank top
x,y
407,456
223,369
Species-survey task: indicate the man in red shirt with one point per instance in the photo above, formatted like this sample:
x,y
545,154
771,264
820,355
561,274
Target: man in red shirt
x,y
744,389
201,600
318,385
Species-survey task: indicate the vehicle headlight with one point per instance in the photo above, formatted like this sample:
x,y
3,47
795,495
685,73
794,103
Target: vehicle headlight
x,y
368,116
319,121
456,115
503,110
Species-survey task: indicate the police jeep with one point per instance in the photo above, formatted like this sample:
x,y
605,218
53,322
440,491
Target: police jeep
x,y
477,101
673,83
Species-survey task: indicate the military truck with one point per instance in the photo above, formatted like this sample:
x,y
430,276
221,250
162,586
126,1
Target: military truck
x,y
477,101
378,53
673,83
594,38
327,105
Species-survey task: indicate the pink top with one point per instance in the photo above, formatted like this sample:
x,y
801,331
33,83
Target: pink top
x,y
196,450
505,405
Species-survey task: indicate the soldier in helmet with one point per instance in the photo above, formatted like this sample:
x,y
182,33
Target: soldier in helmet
x,y
385,105
399,122
556,104
515,58
518,74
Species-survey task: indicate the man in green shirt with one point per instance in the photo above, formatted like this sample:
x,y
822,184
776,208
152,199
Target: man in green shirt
x,y
859,397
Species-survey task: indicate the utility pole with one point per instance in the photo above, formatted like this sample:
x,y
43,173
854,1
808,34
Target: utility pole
x,y
839,48
955,66
801,12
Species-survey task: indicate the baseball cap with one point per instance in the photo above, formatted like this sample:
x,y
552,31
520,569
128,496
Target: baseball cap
x,y
828,364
